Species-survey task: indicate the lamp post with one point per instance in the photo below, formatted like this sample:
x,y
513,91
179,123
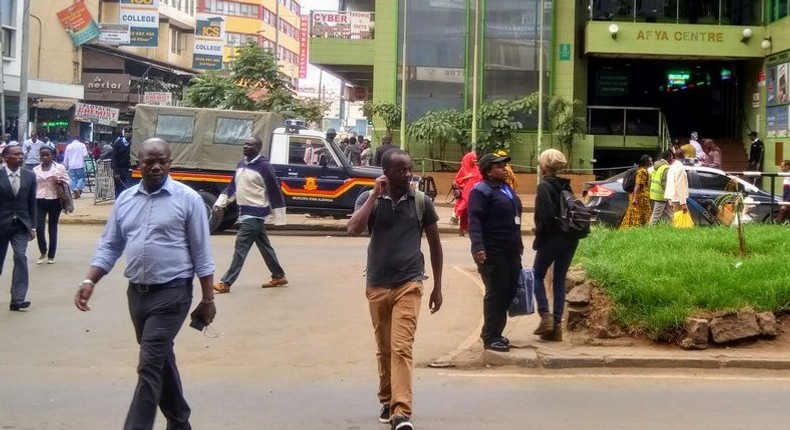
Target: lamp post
x,y
540,82
475,73
403,78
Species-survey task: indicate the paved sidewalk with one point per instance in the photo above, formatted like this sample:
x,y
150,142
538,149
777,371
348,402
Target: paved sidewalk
x,y
90,213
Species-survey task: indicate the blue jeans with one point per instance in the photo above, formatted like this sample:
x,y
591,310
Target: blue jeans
x,y
252,230
77,177
559,250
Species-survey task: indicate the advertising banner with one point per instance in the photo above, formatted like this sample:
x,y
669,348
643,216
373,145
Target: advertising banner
x,y
158,98
770,88
114,34
142,17
342,25
781,121
304,24
209,42
79,23
97,114
781,83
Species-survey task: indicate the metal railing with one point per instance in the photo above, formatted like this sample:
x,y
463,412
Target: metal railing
x,y
340,24
628,121
720,12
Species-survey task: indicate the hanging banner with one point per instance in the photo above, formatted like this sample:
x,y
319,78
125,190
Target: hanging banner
x,y
142,17
104,115
158,98
304,24
114,34
209,42
79,23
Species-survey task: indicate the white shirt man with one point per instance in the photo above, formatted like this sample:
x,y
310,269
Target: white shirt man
x,y
697,146
32,150
74,160
677,188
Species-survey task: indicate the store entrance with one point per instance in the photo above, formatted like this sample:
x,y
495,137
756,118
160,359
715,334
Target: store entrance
x,y
699,96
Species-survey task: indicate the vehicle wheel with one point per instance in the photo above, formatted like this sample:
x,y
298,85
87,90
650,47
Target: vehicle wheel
x,y
214,220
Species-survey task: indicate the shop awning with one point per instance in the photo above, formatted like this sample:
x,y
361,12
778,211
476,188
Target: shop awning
x,y
57,104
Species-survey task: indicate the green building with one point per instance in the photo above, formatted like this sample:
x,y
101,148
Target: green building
x,y
645,71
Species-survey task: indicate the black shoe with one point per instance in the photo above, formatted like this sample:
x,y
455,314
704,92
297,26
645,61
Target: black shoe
x,y
19,306
384,415
505,340
401,423
497,346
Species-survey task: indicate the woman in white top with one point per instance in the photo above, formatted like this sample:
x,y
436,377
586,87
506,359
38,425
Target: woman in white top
x,y
49,176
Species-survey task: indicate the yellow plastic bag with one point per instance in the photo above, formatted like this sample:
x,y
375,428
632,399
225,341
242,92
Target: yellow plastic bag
x,y
682,219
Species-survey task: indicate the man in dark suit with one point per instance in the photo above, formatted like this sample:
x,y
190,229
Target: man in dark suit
x,y
17,219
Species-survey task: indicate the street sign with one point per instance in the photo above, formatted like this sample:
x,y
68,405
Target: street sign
x,y
565,51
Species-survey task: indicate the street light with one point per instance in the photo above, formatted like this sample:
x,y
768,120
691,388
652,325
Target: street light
x,y
403,78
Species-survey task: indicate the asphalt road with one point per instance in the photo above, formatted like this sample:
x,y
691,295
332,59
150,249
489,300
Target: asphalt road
x,y
302,357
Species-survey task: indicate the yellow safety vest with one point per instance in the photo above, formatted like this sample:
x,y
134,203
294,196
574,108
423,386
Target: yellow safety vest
x,y
656,183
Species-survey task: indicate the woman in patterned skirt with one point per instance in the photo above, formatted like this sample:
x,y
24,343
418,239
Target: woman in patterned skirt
x,y
638,212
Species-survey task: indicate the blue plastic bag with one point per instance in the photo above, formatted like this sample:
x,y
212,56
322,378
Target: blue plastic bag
x,y
524,301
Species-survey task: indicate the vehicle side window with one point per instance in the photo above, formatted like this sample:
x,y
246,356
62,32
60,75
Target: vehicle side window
x,y
175,128
713,181
308,151
232,131
296,152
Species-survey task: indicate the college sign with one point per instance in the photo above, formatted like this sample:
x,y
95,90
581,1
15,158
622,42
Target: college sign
x,y
104,115
79,23
142,17
209,42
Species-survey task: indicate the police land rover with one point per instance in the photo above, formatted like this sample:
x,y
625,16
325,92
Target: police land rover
x,y
315,176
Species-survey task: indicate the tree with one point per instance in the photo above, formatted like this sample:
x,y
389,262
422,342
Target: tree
x,y
734,202
254,82
389,113
566,125
498,124
438,128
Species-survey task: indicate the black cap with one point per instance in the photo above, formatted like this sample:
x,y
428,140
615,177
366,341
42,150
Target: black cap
x,y
487,160
331,131
754,133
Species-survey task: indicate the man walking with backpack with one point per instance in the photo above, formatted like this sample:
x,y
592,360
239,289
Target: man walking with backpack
x,y
395,275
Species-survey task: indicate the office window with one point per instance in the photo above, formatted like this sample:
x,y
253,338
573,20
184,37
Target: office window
x,y
177,41
9,27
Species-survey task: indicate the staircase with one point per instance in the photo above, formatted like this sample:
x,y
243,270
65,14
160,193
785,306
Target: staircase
x,y
733,155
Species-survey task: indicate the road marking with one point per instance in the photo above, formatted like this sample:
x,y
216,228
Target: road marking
x,y
473,338
617,376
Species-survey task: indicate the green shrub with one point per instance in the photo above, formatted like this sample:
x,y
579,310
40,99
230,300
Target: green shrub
x,y
656,277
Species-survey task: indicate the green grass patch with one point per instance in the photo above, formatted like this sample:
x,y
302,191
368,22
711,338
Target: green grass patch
x,y
656,277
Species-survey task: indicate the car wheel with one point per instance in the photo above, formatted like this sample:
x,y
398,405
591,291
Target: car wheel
x,y
214,219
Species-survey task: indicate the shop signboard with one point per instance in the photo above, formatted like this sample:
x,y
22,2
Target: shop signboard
x,y
158,98
342,25
114,34
209,42
104,115
79,23
142,17
103,83
304,24
439,74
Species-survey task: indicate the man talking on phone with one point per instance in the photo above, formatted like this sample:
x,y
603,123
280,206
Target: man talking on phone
x,y
396,215
162,226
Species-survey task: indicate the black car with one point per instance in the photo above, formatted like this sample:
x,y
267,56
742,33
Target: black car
x,y
705,186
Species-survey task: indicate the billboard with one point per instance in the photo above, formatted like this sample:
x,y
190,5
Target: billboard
x,y
142,17
79,23
304,24
85,112
209,42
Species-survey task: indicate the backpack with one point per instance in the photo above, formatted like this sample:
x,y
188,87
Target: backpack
x,y
419,204
574,218
629,180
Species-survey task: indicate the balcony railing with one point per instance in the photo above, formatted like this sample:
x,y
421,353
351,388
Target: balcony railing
x,y
341,24
718,12
628,121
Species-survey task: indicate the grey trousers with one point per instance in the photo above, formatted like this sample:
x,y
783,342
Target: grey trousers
x,y
157,317
18,237
662,212
252,230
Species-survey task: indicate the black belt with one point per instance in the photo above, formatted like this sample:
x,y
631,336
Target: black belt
x,y
146,288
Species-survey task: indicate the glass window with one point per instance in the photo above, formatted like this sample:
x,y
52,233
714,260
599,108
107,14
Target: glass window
x,y
175,128
713,181
9,12
232,131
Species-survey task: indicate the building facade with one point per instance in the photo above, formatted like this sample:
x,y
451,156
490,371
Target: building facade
x,y
644,71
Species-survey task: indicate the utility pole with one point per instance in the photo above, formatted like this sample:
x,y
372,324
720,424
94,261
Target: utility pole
x,y
403,77
2,75
23,73
475,73
277,30
540,82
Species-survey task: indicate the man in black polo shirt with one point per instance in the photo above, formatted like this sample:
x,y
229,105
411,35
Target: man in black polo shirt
x,y
395,272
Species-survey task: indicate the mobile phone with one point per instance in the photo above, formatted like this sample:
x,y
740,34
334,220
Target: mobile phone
x,y
197,323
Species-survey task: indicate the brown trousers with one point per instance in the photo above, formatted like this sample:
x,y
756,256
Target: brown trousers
x,y
394,313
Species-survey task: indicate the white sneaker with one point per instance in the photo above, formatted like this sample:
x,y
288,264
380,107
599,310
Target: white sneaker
x,y
51,261
41,259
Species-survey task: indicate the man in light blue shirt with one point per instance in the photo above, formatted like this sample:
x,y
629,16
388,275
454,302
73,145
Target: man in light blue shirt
x,y
162,226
